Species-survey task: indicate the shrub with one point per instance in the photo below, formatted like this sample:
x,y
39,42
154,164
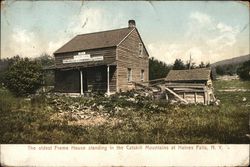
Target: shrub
x,y
23,77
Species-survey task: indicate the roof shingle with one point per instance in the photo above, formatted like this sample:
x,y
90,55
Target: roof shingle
x,y
95,40
200,74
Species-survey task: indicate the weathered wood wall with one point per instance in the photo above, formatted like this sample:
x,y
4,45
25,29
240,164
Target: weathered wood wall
x,y
109,55
192,92
128,57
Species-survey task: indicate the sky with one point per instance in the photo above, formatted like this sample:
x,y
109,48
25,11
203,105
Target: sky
x,y
209,31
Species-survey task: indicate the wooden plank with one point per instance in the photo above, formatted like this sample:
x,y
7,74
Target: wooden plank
x,y
184,83
195,97
184,86
188,89
176,95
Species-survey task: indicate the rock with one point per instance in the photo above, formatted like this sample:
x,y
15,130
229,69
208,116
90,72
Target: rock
x,y
244,99
100,107
217,102
82,116
27,99
49,108
74,117
87,117
131,99
135,95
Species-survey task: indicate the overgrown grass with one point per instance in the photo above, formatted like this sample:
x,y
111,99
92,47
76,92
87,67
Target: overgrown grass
x,y
24,121
222,84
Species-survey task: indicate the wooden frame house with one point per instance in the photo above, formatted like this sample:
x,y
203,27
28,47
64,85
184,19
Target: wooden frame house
x,y
190,86
107,61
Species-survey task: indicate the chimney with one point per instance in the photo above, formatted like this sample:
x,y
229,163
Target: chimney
x,y
131,23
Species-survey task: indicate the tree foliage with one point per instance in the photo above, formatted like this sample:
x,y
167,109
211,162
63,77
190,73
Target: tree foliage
x,y
157,69
179,65
45,60
23,76
244,71
229,69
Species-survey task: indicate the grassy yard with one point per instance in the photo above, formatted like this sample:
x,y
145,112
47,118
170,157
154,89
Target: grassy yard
x,y
29,121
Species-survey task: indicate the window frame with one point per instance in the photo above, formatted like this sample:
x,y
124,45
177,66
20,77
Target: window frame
x,y
140,49
142,75
129,75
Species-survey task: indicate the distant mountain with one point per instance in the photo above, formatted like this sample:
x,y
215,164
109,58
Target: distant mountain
x,y
234,61
229,66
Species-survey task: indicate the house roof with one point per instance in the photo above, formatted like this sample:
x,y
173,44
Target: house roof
x,y
95,40
199,74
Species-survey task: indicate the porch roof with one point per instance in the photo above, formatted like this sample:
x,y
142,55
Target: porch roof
x,y
80,65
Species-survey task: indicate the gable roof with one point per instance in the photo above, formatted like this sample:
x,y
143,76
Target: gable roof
x,y
199,74
95,40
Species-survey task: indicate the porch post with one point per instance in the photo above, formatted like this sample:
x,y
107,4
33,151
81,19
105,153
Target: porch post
x,y
81,87
108,91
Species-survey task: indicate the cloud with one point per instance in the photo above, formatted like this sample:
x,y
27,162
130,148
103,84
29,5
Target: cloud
x,y
210,34
164,52
23,43
28,43
87,21
200,17
169,52
205,38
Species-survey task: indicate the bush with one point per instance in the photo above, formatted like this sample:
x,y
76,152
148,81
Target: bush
x,y
23,77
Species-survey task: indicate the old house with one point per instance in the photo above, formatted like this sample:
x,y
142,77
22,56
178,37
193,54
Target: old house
x,y
107,61
190,86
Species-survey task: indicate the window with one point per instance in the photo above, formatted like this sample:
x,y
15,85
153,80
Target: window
x,y
140,49
129,74
142,75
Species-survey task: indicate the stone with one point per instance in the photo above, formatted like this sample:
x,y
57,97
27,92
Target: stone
x,y
244,99
100,107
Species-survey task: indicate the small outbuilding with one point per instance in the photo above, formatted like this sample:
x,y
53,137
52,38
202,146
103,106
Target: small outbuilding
x,y
190,86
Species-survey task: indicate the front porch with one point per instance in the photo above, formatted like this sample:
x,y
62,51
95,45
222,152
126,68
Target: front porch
x,y
87,80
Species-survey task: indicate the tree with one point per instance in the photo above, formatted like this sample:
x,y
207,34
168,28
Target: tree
x,y
220,70
157,69
178,65
208,65
202,65
23,76
244,71
45,60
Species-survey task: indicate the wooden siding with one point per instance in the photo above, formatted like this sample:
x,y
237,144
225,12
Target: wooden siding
x,y
128,57
192,92
109,55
